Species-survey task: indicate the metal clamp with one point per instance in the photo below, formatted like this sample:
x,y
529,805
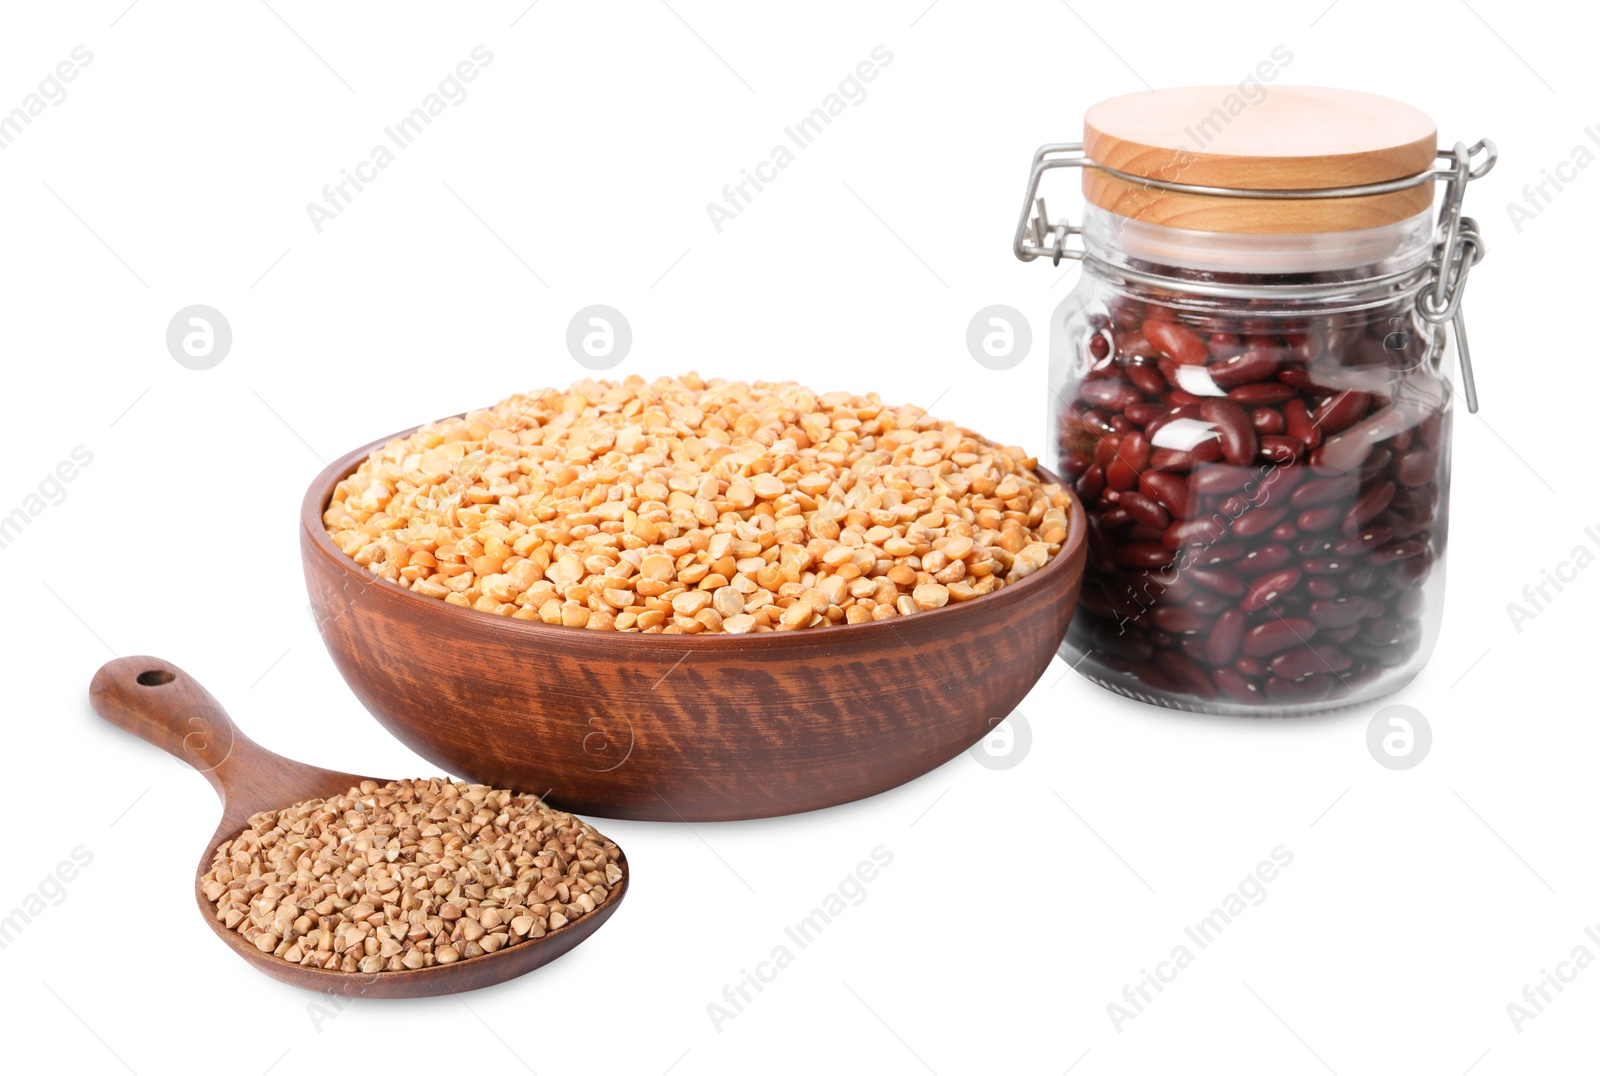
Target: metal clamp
x,y
1458,245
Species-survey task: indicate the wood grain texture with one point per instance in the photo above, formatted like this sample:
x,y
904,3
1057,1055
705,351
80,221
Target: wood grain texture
x,y
1291,138
158,702
675,727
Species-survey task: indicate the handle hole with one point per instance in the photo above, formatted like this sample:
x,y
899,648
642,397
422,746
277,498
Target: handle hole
x,y
155,677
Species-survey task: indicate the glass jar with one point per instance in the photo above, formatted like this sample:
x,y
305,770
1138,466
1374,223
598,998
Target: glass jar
x,y
1257,421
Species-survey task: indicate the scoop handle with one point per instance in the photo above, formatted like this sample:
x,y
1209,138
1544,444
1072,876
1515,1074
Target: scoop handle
x,y
163,705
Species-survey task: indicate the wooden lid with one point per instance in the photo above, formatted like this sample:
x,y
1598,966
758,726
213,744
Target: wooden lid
x,y
1285,138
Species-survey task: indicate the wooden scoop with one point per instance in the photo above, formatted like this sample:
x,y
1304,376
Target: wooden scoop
x,y
158,702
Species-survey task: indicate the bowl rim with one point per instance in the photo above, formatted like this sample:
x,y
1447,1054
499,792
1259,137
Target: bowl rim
x,y
320,492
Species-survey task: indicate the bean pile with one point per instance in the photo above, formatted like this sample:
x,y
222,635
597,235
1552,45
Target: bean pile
x,y
686,506
407,875
1264,499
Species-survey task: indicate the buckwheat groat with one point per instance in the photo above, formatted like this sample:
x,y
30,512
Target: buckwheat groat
x,y
408,874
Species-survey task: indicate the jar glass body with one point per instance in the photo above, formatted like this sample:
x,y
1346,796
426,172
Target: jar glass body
x,y
1259,430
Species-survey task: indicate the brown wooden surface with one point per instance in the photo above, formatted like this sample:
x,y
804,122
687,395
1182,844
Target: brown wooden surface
x,y
156,701
1293,138
677,727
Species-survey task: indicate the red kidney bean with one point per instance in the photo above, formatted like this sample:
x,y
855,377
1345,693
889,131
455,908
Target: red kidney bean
x,y
1281,450
1266,421
1134,448
1262,392
1306,382
1367,508
1367,539
1237,687
1258,520
1179,619
1146,377
1217,579
1314,545
1238,437
1170,491
1226,635
1092,482
1177,343
1120,474
1144,555
1316,519
1250,667
1277,635
1217,553
1140,414
1298,424
1323,587
1375,465
1338,612
1323,491
1132,456
1341,454
1283,533
1326,565
1144,510
1192,532
1268,588
1111,393
1257,364
1340,636
1341,411
1214,481
1267,558
1113,519
1394,551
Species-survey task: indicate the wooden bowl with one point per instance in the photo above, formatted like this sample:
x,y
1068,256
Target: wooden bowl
x,y
682,727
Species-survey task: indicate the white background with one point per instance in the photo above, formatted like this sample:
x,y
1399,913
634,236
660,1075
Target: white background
x,y
1019,901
